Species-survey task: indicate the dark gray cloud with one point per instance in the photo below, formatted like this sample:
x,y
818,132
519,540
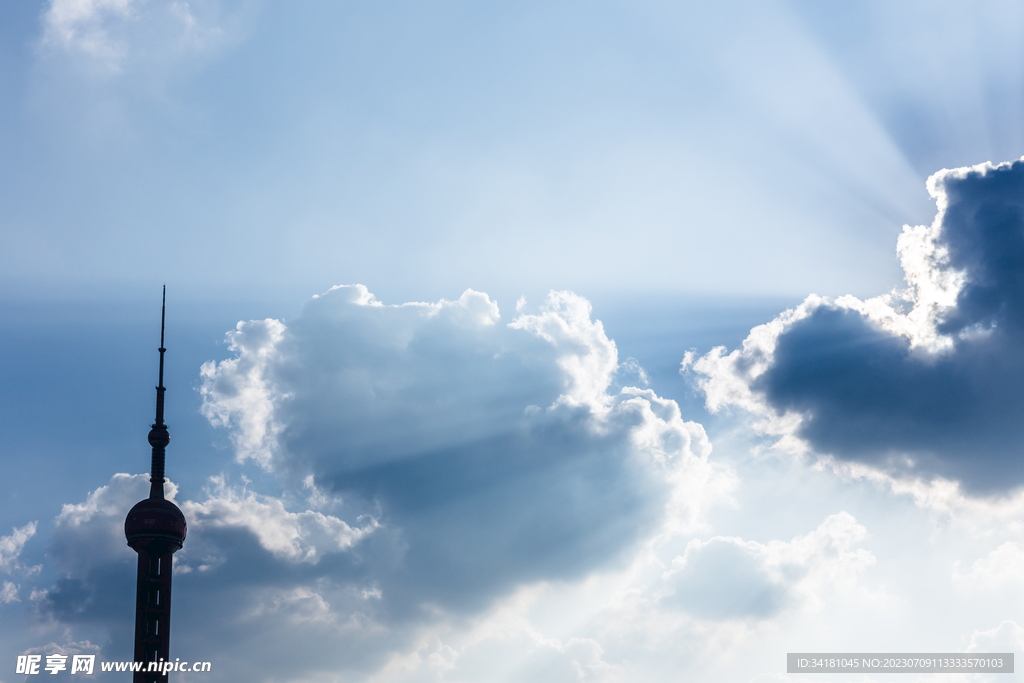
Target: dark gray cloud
x,y
934,388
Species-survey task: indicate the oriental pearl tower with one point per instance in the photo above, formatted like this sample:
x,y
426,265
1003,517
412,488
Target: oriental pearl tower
x,y
155,529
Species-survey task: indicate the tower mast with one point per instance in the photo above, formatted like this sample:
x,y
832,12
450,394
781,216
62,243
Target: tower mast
x,y
155,528
158,437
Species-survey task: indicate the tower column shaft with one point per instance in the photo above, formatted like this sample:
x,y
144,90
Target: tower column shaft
x,y
153,612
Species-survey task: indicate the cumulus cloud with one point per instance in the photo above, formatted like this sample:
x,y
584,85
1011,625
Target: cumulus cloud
x,y
924,383
1001,568
729,578
480,454
432,459
1008,636
496,453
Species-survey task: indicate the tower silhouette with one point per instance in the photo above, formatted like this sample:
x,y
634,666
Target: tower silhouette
x,y
155,529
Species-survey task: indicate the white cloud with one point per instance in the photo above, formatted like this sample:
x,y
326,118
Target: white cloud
x,y
587,357
111,37
85,25
1001,568
247,393
238,393
11,547
726,577
117,497
503,644
297,536
299,605
1008,636
93,531
824,561
9,593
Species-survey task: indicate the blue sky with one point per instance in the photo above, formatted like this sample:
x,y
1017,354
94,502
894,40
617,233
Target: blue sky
x,y
554,342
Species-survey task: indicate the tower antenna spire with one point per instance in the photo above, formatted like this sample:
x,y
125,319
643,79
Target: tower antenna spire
x,y
158,436
160,384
